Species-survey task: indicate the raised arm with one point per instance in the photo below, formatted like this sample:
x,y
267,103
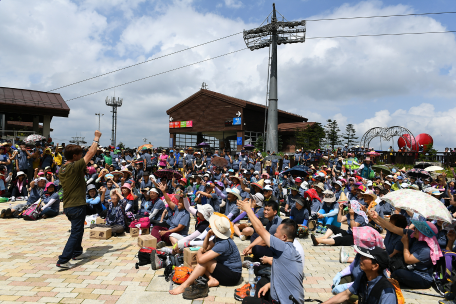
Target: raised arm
x,y
93,148
245,205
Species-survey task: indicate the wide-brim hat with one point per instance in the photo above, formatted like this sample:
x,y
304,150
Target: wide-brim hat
x,y
235,192
259,199
126,185
343,198
220,226
206,210
371,194
259,184
19,173
321,186
331,197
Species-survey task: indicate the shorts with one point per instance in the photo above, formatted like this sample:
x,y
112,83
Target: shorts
x,y
226,276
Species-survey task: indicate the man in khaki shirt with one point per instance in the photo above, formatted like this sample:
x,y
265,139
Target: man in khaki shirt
x,y
71,177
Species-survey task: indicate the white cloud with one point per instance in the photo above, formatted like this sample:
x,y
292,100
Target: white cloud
x,y
233,3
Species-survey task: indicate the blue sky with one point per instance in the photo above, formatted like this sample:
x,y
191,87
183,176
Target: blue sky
x,y
384,81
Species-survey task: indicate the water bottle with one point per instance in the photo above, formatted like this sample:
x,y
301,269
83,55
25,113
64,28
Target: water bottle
x,y
167,261
252,280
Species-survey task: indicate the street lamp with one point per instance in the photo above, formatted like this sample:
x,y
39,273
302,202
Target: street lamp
x,y
99,117
114,103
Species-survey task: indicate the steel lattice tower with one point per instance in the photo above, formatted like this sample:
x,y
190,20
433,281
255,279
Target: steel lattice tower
x,y
114,103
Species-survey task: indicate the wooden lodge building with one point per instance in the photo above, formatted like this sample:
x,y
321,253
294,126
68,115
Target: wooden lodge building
x,y
226,122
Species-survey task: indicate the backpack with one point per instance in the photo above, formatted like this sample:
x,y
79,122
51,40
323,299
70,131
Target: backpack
x,y
144,256
144,222
33,212
444,274
181,274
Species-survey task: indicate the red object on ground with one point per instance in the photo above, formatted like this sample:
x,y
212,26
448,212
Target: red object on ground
x,y
425,140
408,140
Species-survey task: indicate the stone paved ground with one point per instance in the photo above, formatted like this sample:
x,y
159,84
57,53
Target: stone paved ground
x,y
29,251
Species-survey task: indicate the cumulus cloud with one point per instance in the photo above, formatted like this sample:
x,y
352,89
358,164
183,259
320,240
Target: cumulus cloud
x,y
46,45
233,3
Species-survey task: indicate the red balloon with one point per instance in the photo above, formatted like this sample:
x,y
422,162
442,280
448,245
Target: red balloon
x,y
424,140
408,140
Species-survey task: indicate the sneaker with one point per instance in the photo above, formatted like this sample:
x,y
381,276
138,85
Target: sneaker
x,y
314,239
155,262
244,287
319,229
199,289
343,256
323,230
66,265
241,295
242,237
13,199
161,244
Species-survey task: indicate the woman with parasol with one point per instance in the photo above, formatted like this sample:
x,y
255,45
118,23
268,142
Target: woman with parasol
x,y
421,251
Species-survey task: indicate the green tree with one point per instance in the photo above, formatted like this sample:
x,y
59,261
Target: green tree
x,y
259,143
332,133
349,135
311,137
121,145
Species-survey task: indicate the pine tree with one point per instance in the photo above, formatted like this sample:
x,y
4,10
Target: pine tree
x,y
349,136
310,138
332,133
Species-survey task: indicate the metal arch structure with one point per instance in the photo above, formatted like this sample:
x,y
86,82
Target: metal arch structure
x,y
388,134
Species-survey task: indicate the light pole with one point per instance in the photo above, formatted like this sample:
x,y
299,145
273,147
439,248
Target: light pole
x,y
114,103
99,118
271,35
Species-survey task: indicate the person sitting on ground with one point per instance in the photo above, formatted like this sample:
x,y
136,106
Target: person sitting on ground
x,y
219,260
371,286
203,213
93,200
364,237
245,230
130,198
421,249
115,215
300,212
177,222
316,202
158,207
51,202
355,218
287,264
18,187
257,245
208,196
327,215
145,209
36,192
231,209
291,200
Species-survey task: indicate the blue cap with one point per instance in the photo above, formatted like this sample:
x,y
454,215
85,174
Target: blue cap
x,y
399,177
171,151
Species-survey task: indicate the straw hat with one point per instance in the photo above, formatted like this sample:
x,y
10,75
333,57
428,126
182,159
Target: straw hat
x,y
220,226
259,184
371,194
342,198
126,171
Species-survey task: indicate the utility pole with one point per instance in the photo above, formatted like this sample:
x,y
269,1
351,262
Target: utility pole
x,y
114,103
99,118
270,35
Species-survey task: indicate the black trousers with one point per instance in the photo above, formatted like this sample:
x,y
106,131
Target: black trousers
x,y
157,223
345,240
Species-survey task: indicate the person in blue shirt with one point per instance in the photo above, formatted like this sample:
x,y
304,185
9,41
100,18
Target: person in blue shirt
x,y
327,215
146,206
218,259
371,286
285,163
51,202
235,165
171,161
300,211
158,207
145,181
291,199
355,218
177,223
421,250
93,200
244,230
115,156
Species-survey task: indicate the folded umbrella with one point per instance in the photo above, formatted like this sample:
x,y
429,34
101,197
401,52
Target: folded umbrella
x,y
419,202
299,170
168,174
381,168
418,173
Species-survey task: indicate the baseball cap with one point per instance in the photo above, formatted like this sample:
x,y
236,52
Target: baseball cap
x,y
376,253
298,180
